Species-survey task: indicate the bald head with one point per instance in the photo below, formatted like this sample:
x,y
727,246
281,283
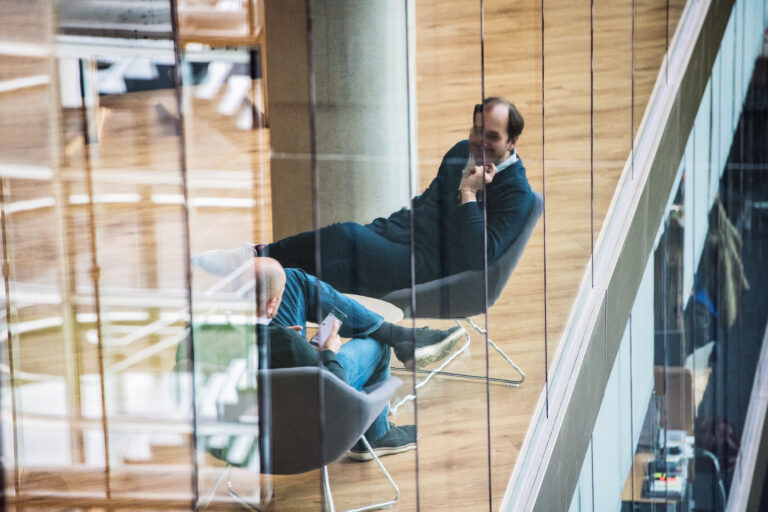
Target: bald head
x,y
270,284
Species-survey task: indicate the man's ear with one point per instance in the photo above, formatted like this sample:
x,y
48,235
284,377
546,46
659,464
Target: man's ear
x,y
271,309
512,143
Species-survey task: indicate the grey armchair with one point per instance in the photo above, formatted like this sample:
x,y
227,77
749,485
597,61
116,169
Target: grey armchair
x,y
330,416
463,295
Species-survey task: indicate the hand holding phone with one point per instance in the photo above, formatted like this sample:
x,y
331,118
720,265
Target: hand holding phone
x,y
329,326
333,341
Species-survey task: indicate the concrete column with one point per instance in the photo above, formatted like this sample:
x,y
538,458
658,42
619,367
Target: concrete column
x,y
360,62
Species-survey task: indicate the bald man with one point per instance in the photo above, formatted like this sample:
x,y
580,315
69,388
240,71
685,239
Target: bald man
x,y
287,298
448,225
287,346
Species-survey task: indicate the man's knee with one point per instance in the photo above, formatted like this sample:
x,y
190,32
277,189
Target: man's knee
x,y
343,231
297,279
385,353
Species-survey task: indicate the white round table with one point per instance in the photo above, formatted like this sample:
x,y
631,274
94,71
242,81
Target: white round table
x,y
390,312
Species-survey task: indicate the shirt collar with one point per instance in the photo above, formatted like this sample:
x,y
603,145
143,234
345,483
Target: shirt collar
x,y
503,165
509,161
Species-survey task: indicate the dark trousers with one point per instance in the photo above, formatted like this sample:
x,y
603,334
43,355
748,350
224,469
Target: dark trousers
x,y
353,259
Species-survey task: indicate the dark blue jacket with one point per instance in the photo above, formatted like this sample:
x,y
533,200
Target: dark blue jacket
x,y
449,237
285,348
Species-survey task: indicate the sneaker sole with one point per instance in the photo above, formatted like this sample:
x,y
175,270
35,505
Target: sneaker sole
x,y
439,350
380,452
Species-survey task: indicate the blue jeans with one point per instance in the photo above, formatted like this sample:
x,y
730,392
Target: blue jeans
x,y
365,360
353,258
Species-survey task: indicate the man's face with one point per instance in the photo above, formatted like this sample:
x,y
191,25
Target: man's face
x,y
497,144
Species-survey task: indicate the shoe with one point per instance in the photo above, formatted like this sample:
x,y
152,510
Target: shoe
x,y
431,346
224,262
396,440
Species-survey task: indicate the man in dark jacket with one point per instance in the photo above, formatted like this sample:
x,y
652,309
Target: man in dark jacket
x,y
481,172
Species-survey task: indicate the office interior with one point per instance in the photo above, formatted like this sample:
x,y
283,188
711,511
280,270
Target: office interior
x,y
620,367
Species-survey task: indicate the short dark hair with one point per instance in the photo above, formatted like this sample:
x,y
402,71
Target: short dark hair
x,y
515,124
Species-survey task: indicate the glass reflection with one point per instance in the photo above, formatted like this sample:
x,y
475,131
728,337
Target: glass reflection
x,y
110,183
374,259
228,199
704,379
133,208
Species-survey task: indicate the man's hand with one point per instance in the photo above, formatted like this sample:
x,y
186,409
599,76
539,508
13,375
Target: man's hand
x,y
333,341
472,181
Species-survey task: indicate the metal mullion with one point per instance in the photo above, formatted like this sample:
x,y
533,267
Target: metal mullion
x,y
9,341
95,277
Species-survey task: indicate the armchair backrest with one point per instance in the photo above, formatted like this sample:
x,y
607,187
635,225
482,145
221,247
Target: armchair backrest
x,y
307,418
312,417
463,294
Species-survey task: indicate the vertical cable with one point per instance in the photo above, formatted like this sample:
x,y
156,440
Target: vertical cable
x,y
727,329
737,109
315,206
592,465
605,331
666,45
9,341
412,236
260,168
631,415
544,219
664,323
632,98
177,88
485,263
95,277
742,397
632,176
313,146
252,72
592,139
733,81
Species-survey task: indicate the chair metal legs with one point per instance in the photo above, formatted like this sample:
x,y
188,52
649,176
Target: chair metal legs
x,y
513,382
374,506
242,501
224,474
439,370
247,504
711,456
327,488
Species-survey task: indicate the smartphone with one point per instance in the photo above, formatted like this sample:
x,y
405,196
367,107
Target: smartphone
x,y
327,326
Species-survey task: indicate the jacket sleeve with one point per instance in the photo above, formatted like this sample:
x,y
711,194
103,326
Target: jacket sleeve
x,y
332,364
432,190
305,354
399,223
455,158
506,218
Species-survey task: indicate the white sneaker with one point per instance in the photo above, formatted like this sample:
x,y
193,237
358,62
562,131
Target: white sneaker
x,y
222,262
